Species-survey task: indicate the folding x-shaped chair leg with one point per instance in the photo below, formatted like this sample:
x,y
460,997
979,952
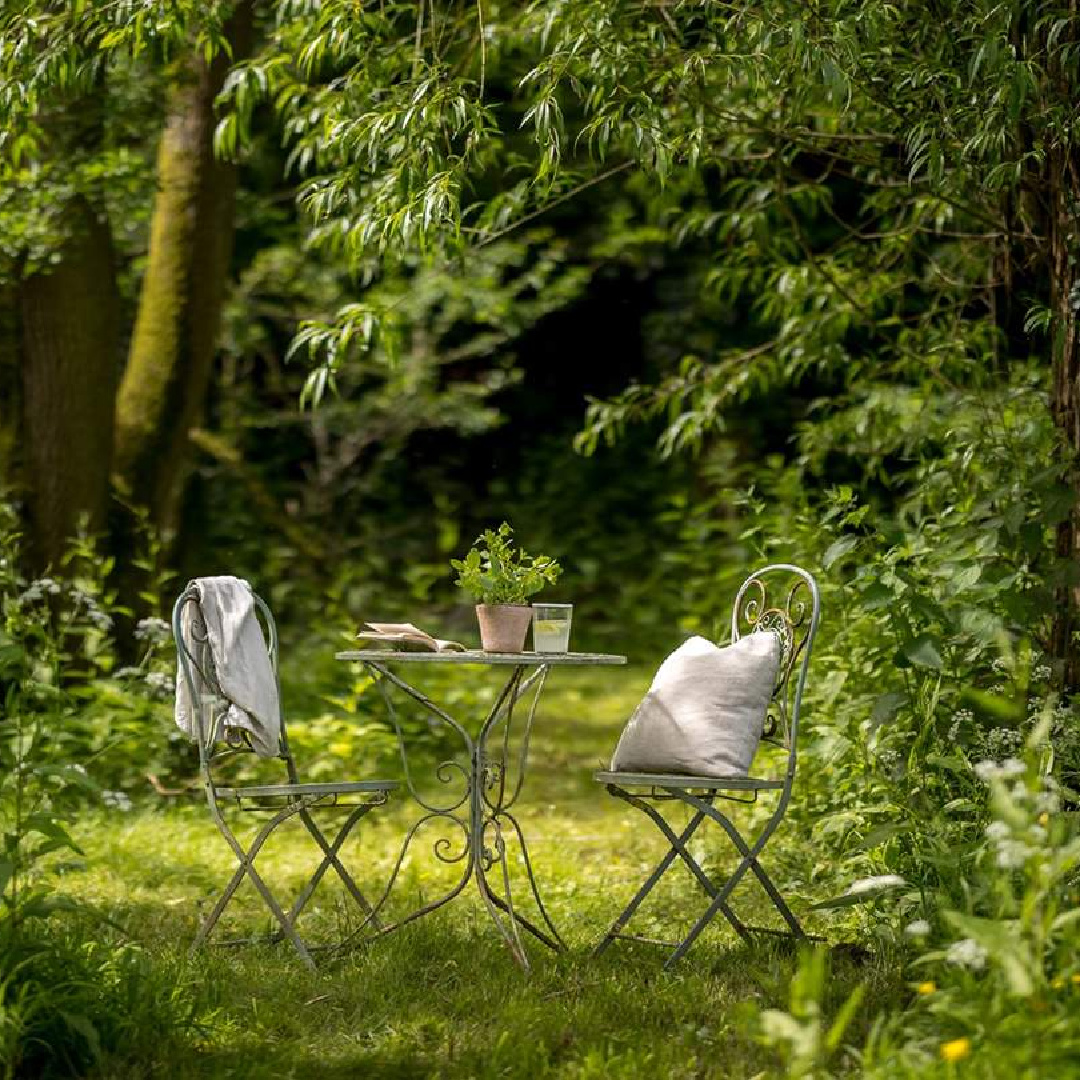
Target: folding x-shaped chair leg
x,y
247,869
703,809
749,862
330,853
678,849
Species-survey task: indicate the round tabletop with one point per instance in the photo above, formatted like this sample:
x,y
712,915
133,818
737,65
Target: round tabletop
x,y
476,656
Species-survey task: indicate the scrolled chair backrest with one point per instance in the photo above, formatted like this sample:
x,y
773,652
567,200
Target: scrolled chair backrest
x,y
784,599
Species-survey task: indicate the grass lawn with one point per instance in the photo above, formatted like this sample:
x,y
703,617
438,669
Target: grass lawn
x,y
443,996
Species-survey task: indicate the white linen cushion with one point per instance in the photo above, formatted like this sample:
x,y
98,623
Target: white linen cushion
x,y
705,711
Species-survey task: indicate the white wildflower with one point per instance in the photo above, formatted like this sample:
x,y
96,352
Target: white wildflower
x,y
99,618
39,588
873,884
967,953
998,743
889,759
159,682
997,831
1012,854
1047,802
1006,770
116,800
1042,673
961,719
918,928
152,630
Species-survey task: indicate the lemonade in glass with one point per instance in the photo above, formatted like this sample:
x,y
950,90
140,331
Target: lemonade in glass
x,y
551,627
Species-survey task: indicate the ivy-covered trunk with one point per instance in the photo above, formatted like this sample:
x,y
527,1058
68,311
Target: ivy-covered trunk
x,y
172,348
69,316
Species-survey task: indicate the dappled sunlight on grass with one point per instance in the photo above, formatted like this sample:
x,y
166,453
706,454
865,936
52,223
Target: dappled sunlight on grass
x,y
443,996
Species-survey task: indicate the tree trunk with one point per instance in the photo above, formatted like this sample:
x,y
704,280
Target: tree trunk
x,y
1064,249
172,348
70,362
10,384
1062,196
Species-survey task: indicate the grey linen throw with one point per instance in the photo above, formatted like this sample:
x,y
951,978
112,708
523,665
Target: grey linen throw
x,y
241,662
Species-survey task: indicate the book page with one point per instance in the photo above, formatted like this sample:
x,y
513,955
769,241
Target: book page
x,y
400,630
408,634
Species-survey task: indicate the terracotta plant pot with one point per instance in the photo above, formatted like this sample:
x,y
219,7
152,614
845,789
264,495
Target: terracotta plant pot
x,y
503,627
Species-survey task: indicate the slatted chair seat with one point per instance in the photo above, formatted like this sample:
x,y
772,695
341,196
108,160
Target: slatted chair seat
x,y
682,781
782,599
299,791
283,801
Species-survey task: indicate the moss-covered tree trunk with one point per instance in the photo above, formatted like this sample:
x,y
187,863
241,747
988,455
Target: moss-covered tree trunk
x,y
1064,244
69,319
164,387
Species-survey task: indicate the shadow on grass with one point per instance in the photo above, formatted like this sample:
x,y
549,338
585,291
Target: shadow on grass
x,y
443,998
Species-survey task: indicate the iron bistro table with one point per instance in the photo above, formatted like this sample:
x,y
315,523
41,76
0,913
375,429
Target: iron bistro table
x,y
483,811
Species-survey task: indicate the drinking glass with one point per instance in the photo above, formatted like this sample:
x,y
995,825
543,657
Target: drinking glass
x,y
551,627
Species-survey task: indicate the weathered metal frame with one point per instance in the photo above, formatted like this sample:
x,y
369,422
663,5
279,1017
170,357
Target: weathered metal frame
x,y
795,621
282,801
491,785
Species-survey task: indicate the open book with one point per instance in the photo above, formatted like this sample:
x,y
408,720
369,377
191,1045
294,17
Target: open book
x,y
406,636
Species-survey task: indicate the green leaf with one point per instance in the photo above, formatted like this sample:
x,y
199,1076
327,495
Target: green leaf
x,y
886,707
861,896
999,706
878,836
84,1027
838,549
923,652
51,828
952,764
963,580
844,1017
1065,920
877,596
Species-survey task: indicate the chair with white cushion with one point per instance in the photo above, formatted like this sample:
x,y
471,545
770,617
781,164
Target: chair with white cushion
x,y
693,738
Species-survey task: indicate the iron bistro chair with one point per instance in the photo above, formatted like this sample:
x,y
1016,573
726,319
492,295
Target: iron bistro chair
x,y
283,801
794,619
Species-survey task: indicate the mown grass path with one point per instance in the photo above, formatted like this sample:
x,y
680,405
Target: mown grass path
x,y
443,997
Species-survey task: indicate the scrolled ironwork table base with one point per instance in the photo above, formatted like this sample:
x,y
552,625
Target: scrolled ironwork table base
x,y
492,784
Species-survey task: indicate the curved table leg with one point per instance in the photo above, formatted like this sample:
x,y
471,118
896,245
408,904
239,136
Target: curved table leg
x,y
489,794
496,796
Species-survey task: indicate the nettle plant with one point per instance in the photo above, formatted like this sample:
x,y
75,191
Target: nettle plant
x,y
495,572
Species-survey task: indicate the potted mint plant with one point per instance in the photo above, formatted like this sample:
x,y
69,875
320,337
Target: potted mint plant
x,y
502,578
